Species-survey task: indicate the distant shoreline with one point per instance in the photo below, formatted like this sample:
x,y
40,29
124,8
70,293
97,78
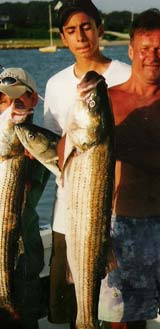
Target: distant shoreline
x,y
36,44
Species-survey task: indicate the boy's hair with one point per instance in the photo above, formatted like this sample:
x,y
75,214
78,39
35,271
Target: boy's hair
x,y
69,7
148,20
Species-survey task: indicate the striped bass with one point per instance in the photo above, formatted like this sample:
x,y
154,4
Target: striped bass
x,y
12,171
41,143
89,175
88,179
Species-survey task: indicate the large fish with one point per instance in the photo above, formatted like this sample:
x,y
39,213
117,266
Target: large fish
x,y
12,173
88,179
12,202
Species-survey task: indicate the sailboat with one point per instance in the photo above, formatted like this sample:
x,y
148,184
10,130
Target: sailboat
x,y
51,48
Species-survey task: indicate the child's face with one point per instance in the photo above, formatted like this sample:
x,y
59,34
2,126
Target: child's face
x,y
27,100
5,102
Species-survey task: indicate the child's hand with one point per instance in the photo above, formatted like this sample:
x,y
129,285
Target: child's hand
x,y
28,154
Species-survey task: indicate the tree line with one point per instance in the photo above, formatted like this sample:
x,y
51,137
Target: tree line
x,y
30,20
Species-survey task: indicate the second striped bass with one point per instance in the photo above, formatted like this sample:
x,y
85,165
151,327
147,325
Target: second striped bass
x,y
90,178
12,185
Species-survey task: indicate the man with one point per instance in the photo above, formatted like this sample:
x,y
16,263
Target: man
x,y
80,27
19,92
131,293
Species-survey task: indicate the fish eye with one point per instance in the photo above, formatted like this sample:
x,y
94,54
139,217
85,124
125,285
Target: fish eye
x,y
92,104
30,135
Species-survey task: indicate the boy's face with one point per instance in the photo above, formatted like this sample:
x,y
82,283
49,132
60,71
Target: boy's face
x,y
81,35
27,100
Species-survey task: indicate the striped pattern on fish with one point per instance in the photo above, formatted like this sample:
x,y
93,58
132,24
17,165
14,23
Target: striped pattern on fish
x,y
12,184
89,177
86,228
11,198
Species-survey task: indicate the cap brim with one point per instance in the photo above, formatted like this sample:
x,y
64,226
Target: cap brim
x,y
13,91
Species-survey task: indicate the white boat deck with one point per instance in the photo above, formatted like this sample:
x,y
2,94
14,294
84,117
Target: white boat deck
x,y
44,324
46,236
154,324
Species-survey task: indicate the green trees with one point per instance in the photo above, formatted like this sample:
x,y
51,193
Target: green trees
x,y
30,20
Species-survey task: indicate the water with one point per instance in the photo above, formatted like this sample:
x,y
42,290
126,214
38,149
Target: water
x,y
42,66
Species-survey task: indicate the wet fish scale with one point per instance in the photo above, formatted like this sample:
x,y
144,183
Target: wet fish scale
x,y
89,176
12,171
86,228
11,181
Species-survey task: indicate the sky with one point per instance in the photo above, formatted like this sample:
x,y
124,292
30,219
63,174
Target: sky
x,y
108,6
131,5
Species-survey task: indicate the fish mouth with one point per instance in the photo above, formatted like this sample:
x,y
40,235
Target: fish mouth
x,y
22,137
18,126
18,130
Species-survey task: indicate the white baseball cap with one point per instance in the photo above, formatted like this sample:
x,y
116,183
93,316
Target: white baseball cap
x,y
15,81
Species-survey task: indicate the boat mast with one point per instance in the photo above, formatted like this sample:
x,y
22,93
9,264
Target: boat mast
x,y
132,15
50,25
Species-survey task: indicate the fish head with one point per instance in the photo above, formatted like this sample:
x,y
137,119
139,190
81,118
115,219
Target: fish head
x,y
40,142
87,124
